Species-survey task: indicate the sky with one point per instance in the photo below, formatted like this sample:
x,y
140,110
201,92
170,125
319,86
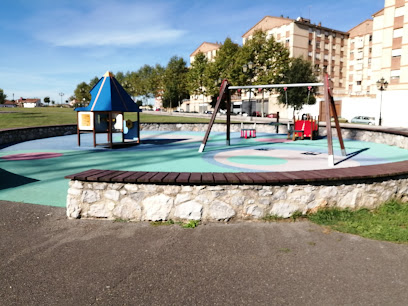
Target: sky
x,y
48,47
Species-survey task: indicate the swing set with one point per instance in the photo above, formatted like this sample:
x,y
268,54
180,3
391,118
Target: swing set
x,y
225,95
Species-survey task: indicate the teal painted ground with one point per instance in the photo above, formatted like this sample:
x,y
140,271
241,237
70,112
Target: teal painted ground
x,y
42,181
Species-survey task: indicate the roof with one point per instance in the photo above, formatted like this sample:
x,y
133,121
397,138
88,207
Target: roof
x,y
109,96
267,23
8,102
31,100
205,47
379,13
363,28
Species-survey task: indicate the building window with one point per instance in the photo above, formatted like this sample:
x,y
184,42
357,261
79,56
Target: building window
x,y
310,54
399,11
310,42
395,74
318,45
317,56
358,83
398,32
396,52
370,38
318,33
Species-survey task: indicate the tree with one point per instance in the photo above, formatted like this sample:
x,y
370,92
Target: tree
x,y
47,100
269,58
196,76
157,80
2,96
223,67
83,90
175,82
82,93
299,71
145,74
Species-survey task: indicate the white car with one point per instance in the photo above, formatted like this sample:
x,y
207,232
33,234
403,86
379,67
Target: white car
x,y
363,120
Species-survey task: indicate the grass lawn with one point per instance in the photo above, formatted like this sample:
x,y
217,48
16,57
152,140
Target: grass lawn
x,y
388,222
40,116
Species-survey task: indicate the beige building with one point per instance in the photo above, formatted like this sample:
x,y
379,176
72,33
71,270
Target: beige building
x,y
390,44
359,59
200,102
208,49
326,48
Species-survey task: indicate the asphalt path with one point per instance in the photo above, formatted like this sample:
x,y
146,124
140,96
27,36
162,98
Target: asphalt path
x,y
47,259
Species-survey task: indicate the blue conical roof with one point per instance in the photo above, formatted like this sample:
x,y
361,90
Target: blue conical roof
x,y
108,95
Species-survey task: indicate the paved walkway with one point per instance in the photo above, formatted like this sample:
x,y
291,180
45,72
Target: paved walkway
x,y
49,260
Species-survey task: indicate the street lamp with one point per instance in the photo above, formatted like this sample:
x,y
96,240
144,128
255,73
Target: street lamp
x,y
61,94
381,85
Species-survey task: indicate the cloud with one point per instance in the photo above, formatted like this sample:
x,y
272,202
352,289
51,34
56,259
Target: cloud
x,y
112,24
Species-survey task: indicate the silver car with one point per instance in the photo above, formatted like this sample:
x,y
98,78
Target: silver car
x,y
363,120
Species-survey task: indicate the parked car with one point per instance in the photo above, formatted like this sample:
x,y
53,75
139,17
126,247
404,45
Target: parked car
x,y
363,120
208,112
256,114
272,115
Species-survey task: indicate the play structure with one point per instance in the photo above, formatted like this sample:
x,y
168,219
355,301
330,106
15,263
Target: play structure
x,y
248,132
304,128
105,113
300,129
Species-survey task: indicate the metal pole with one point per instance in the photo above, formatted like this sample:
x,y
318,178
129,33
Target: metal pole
x,y
379,122
278,85
328,123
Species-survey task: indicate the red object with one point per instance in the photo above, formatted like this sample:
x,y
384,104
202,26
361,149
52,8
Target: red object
x,y
308,128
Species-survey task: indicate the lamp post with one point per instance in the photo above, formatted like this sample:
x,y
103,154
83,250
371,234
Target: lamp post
x,y
61,94
381,86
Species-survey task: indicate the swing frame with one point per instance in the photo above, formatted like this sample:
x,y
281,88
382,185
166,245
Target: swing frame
x,y
225,95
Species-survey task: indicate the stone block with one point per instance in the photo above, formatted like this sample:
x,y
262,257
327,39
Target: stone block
x,y
112,195
221,211
90,196
182,197
255,211
98,211
284,210
128,209
157,208
73,208
190,210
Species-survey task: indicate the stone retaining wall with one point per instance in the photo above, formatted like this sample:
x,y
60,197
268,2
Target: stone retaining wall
x,y
149,202
30,133
146,201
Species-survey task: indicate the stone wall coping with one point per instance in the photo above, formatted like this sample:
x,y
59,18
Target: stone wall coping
x,y
37,127
361,173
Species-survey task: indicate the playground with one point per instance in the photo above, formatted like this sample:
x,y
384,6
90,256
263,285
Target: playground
x,y
34,171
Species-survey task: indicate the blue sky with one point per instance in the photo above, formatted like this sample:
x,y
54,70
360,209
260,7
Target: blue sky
x,y
50,46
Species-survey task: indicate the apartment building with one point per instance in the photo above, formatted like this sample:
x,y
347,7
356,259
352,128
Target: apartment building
x,y
208,49
359,60
201,103
379,50
390,44
326,48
